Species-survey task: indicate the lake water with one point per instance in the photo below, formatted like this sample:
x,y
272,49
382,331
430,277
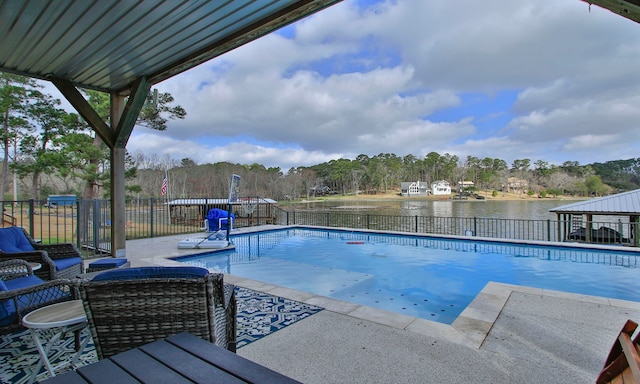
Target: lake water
x,y
530,209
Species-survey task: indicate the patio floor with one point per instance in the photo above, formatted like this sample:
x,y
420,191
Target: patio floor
x,y
508,334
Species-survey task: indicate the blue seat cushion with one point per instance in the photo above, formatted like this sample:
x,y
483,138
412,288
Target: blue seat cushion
x,y
22,282
151,272
66,262
108,263
13,240
7,308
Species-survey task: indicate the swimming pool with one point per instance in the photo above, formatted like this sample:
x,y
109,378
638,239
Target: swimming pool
x,y
426,277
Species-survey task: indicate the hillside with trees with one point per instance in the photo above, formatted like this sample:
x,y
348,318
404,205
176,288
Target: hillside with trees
x,y
366,175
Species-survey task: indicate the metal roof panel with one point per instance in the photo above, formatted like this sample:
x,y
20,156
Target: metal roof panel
x,y
107,44
626,203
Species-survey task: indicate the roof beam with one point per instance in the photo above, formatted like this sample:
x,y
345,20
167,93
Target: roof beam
x,y
139,92
71,93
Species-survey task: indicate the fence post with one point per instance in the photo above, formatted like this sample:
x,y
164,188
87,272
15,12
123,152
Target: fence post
x,y
548,230
368,220
475,226
31,215
96,217
151,217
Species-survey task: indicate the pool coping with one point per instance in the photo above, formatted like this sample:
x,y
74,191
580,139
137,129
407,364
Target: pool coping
x,y
470,328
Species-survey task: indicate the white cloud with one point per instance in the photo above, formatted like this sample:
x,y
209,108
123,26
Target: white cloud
x,y
395,78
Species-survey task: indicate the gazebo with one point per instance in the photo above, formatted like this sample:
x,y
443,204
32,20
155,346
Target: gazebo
x,y
617,206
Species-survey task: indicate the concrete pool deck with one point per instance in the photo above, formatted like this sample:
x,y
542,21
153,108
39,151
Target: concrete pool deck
x,y
508,334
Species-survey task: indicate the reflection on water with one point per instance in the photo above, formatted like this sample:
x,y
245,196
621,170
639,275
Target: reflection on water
x,y
531,209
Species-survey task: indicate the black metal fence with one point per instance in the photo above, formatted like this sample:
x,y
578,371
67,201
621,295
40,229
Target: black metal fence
x,y
602,232
87,222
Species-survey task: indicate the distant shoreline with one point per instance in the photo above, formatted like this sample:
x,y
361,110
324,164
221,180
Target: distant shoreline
x,y
395,195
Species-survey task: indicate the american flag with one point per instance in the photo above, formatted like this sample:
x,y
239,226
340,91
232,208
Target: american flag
x,y
163,188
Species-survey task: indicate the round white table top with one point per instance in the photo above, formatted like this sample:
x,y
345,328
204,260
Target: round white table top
x,y
35,266
56,315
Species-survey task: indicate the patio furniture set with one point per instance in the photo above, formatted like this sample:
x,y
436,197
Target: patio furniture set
x,y
122,308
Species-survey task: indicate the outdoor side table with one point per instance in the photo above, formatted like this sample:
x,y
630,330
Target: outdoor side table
x,y
35,266
69,316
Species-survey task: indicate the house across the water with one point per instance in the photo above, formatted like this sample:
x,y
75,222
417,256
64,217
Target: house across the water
x,y
440,187
415,188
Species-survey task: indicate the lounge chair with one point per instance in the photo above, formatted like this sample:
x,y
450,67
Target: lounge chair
x,y
22,292
130,307
623,363
58,261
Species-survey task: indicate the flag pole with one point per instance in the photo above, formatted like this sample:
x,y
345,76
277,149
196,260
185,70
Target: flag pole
x,y
164,191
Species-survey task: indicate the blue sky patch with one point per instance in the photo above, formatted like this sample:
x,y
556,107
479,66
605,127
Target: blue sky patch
x,y
369,57
490,113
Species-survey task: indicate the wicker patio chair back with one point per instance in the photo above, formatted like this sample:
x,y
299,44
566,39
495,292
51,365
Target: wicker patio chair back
x,y
47,255
153,303
22,292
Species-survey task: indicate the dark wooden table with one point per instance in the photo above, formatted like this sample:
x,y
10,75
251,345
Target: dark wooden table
x,y
182,358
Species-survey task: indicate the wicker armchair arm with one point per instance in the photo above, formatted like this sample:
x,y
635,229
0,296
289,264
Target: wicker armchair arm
x,y
31,298
66,285
13,269
59,251
48,269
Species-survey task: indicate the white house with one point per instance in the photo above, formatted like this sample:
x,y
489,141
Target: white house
x,y
440,187
414,189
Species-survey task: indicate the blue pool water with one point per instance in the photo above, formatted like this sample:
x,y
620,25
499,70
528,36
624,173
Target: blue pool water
x,y
430,278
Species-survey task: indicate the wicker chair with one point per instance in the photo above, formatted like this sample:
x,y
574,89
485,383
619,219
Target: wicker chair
x,y
130,307
49,256
22,292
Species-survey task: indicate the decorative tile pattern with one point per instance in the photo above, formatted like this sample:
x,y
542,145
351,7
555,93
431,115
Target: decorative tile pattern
x,y
259,314
19,356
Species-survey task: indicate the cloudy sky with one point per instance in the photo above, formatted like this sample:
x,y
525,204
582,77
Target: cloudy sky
x,y
545,80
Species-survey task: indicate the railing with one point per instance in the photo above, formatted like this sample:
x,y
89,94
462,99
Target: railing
x,y
603,232
87,223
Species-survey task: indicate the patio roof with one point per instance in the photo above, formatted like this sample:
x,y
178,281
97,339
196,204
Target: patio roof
x,y
106,45
625,8
622,204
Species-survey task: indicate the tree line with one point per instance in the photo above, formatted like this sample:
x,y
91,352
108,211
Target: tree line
x,y
47,150
383,173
